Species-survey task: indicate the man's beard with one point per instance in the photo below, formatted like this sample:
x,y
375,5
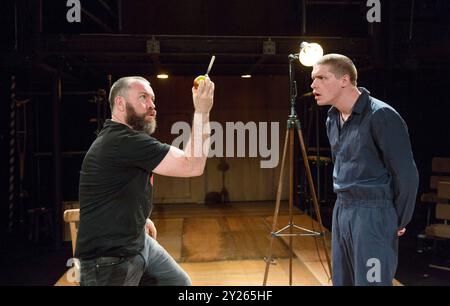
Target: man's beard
x,y
138,122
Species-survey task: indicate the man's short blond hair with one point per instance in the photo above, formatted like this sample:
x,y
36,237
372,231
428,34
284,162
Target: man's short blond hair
x,y
121,86
340,65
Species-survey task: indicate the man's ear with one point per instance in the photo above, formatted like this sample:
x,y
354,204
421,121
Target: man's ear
x,y
120,103
345,80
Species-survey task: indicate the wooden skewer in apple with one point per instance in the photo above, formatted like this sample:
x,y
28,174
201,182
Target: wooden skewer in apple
x,y
202,77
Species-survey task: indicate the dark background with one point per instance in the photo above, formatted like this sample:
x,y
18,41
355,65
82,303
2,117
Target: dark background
x,y
403,60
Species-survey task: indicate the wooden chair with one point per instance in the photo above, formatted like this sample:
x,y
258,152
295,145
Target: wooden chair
x,y
71,216
440,230
440,167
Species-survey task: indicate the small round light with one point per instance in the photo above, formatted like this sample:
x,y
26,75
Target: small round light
x,y
310,53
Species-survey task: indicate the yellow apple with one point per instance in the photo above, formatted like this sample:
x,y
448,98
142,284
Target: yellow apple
x,y
197,80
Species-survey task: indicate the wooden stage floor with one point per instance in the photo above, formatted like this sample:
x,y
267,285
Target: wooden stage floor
x,y
225,245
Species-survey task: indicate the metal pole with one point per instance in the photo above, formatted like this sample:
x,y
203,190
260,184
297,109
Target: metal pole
x,y
304,17
119,15
21,136
56,105
411,20
15,27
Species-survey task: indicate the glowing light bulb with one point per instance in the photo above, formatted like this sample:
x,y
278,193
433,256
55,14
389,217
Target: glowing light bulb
x,y
310,53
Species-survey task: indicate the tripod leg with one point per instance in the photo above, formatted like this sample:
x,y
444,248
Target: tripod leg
x,y
313,194
291,200
277,207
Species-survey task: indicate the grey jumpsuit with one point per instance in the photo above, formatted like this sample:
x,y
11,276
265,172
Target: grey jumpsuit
x,y
376,180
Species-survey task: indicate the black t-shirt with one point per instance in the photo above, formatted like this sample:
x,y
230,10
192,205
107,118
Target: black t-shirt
x,y
116,191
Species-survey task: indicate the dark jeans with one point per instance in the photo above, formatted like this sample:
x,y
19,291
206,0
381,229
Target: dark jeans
x,y
153,266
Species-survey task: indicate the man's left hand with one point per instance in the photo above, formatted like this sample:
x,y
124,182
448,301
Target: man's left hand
x,y
150,228
401,231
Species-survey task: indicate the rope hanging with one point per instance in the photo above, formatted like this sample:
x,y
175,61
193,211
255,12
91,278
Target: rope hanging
x,y
12,154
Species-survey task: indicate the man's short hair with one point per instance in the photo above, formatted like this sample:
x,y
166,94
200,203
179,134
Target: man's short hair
x,y
121,86
339,66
